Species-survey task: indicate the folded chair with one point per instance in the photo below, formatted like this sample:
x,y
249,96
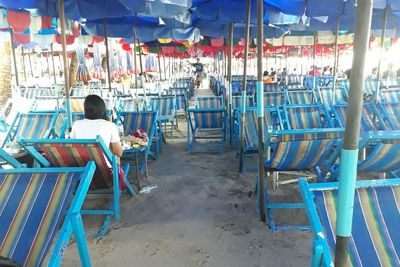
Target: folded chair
x,y
31,125
207,129
298,151
236,106
35,204
298,117
77,153
165,107
301,97
390,96
147,121
375,235
271,87
206,102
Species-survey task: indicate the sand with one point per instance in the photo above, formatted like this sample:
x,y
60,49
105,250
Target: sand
x,y
200,214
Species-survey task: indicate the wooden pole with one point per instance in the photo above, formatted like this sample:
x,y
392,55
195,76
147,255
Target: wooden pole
x,y
14,56
23,61
107,53
135,60
54,66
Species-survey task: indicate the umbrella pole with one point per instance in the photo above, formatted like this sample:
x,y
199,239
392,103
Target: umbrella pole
x,y
140,61
314,60
244,84
159,65
48,65
30,64
134,63
107,54
23,61
230,46
349,154
165,69
379,76
260,109
14,56
301,60
335,64
54,67
64,55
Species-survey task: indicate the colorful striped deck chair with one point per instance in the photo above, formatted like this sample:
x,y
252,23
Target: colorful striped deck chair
x,y
300,97
294,79
32,92
31,125
237,101
295,87
250,147
391,114
41,207
271,87
371,119
297,150
132,104
46,103
165,107
206,129
375,235
390,96
77,104
328,96
273,99
77,153
147,121
209,102
79,92
306,117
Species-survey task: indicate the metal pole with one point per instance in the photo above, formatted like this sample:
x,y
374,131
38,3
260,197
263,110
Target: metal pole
x,y
23,61
244,83
64,55
230,47
349,155
140,60
382,43
260,108
30,64
314,59
48,65
54,67
301,60
14,57
159,66
135,60
335,64
107,53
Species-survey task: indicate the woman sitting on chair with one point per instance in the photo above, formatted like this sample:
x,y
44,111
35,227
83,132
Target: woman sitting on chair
x,y
95,123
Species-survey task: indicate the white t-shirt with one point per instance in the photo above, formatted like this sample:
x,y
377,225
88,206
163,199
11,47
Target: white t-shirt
x,y
90,129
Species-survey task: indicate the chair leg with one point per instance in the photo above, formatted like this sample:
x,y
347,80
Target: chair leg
x,y
145,165
81,242
137,170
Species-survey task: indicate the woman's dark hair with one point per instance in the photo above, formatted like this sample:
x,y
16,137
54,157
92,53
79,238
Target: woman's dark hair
x,y
95,108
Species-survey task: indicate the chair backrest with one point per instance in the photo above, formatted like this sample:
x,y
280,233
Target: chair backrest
x,y
208,118
251,127
374,239
305,117
237,101
308,148
391,112
329,96
273,99
390,96
205,102
271,87
33,204
77,104
32,125
301,97
131,104
77,153
145,120
367,120
163,105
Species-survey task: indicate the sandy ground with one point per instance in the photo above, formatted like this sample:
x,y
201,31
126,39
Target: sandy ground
x,y
201,214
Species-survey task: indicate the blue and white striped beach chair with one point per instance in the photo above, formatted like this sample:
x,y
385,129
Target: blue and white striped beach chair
x,y
306,117
205,102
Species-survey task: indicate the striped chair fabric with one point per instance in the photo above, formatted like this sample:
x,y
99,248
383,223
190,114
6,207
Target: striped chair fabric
x,y
250,128
78,155
303,97
367,123
209,119
237,101
35,125
382,157
390,96
304,117
328,97
392,114
273,99
32,208
209,102
271,87
164,105
375,238
134,120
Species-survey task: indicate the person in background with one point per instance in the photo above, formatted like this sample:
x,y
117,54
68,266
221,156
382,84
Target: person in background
x,y
96,124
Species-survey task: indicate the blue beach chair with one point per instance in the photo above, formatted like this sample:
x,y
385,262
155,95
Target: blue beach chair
x,y
205,102
375,235
328,96
35,204
301,97
391,114
274,99
298,117
165,107
77,153
207,125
